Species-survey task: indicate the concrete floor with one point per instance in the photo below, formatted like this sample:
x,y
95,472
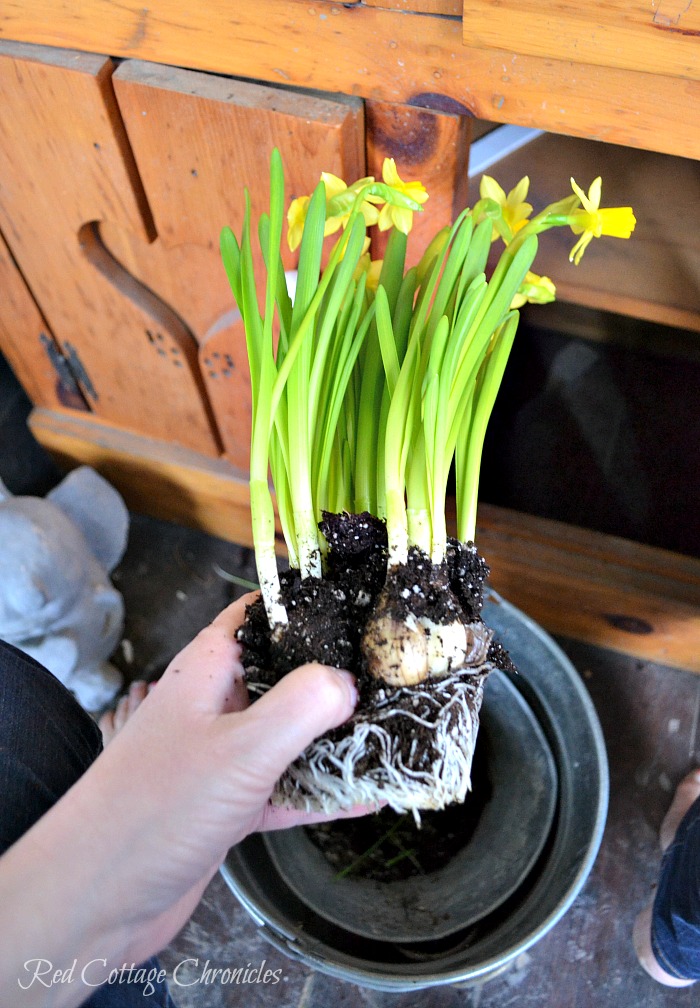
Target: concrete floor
x,y
172,584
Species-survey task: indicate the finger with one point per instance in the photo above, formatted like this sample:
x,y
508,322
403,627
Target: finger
x,y
301,706
209,671
232,617
229,620
275,818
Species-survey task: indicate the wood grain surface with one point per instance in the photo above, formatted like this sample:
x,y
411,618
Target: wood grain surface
x,y
426,145
199,140
28,345
66,165
382,54
658,38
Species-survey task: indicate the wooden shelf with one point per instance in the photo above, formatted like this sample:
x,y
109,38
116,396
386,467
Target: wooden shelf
x,y
597,588
608,591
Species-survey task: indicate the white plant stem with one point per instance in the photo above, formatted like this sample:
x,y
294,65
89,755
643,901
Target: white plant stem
x,y
309,553
397,527
419,528
265,557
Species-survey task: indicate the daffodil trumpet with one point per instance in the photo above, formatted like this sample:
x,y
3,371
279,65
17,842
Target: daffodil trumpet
x,y
369,389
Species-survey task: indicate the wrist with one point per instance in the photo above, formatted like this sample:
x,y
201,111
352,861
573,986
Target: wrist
x,y
63,937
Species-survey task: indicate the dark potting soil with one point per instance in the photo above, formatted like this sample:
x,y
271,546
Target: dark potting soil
x,y
390,846
327,617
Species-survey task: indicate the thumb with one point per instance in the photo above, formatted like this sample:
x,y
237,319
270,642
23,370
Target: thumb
x,y
301,706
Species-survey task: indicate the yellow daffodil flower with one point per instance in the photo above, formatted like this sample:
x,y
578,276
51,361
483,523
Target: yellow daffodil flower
x,y
373,269
334,186
296,215
365,249
394,216
592,222
515,210
373,273
535,289
340,201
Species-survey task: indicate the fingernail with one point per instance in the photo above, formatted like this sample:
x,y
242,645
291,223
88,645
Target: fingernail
x,y
350,683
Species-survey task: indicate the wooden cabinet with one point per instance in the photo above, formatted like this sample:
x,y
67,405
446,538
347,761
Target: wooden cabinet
x,y
116,181
126,137
423,53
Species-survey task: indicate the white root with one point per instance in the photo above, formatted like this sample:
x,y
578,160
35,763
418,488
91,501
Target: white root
x,y
329,776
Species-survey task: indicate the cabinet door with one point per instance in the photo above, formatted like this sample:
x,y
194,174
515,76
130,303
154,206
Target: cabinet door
x,y
112,213
65,166
198,141
28,346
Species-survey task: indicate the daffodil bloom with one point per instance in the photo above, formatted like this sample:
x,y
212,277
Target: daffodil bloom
x,y
341,200
592,222
535,289
401,200
373,269
398,216
514,210
296,216
365,248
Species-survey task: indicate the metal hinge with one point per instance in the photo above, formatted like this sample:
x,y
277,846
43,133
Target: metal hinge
x,y
78,369
69,368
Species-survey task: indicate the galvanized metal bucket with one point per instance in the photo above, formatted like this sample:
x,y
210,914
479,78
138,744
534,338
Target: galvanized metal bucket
x,y
560,732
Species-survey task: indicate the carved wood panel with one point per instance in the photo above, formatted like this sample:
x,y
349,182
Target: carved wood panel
x,y
66,166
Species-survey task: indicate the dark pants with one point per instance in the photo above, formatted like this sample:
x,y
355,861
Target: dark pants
x,y
47,742
675,926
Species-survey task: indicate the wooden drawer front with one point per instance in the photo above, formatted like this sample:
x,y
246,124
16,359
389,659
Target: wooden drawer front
x,y
661,37
399,51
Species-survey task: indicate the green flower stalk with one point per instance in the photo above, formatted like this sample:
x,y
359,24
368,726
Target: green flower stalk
x,y
383,379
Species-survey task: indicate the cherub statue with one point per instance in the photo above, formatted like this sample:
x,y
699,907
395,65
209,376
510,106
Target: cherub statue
x,y
56,600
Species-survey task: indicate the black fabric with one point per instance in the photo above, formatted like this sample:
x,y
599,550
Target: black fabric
x,y
47,741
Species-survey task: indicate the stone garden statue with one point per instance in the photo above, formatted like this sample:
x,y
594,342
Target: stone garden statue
x,y
56,600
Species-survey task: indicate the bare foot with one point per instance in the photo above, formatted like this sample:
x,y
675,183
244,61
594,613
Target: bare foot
x,y
686,793
112,721
641,936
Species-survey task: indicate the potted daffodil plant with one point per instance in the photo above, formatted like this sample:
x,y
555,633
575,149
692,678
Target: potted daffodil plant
x,y
372,386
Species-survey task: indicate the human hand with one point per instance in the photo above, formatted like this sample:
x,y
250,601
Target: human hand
x,y
190,774
206,762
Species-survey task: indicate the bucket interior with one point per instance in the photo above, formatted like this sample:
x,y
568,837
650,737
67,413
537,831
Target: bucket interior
x,y
551,693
